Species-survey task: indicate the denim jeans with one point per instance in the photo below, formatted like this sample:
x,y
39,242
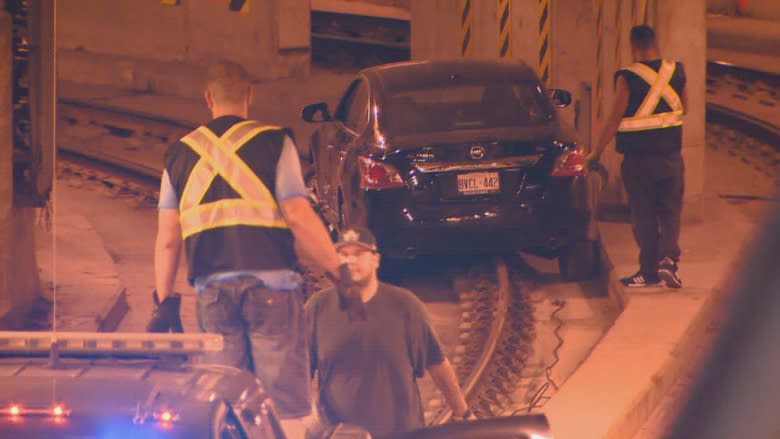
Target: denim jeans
x,y
263,331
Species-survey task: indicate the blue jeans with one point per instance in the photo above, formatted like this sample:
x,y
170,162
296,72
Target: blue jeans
x,y
263,331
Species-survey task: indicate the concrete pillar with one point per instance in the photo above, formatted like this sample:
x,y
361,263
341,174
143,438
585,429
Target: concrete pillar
x,y
524,30
682,34
436,29
19,283
573,60
681,31
6,167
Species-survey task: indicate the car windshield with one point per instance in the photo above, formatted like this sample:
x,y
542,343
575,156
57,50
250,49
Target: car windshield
x,y
463,107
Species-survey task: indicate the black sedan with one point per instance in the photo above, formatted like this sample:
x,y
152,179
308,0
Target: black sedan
x,y
455,156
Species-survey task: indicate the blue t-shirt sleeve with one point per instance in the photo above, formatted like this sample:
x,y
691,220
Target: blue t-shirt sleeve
x,y
168,198
289,179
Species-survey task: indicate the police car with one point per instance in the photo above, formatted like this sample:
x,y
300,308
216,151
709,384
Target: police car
x,y
79,385
104,385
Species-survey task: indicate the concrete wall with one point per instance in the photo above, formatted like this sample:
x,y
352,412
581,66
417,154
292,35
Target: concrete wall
x,y
588,43
19,284
435,29
145,45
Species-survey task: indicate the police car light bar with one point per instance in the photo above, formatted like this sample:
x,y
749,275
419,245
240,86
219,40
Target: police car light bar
x,y
98,343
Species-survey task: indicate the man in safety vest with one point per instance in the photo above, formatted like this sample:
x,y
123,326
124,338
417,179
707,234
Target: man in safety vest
x,y
232,191
650,101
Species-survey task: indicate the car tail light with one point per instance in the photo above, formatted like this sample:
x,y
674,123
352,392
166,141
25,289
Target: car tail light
x,y
378,175
569,164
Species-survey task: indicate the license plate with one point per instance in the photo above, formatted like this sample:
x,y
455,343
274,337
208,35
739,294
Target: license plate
x,y
478,183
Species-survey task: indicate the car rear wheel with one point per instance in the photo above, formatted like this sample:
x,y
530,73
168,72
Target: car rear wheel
x,y
579,261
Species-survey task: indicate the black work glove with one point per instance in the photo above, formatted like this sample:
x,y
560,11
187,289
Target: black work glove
x,y
166,316
349,294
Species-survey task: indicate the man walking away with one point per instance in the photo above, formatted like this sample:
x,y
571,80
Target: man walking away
x,y
233,194
647,115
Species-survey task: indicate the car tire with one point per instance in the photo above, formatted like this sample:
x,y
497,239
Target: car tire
x,y
579,261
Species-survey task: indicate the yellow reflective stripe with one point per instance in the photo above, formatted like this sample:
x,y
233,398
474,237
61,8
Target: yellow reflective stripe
x,y
229,212
218,156
220,159
203,174
659,87
217,159
660,120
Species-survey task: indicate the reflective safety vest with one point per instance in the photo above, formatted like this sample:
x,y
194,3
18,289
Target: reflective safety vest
x,y
218,157
645,117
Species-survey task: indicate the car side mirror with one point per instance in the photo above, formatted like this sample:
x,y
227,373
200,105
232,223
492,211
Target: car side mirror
x,y
559,97
316,112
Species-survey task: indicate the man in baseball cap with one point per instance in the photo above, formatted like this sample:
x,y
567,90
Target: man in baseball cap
x,y
358,361
360,237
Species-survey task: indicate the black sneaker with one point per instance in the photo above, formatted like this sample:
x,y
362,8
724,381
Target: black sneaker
x,y
640,280
667,270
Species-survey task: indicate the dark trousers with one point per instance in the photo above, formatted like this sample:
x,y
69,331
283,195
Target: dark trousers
x,y
655,187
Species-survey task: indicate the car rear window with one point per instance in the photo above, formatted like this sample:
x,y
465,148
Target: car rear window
x,y
465,106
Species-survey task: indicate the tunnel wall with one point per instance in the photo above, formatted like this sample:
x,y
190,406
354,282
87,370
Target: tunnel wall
x,y
19,284
147,45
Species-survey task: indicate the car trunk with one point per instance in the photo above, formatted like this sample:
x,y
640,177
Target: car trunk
x,y
468,174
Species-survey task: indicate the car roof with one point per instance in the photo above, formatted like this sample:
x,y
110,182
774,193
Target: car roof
x,y
402,74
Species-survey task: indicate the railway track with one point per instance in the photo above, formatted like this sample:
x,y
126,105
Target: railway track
x,y
118,150
123,151
742,105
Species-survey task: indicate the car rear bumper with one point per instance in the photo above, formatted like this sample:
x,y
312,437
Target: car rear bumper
x,y
541,225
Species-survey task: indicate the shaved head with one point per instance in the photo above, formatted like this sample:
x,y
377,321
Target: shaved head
x,y
643,37
228,82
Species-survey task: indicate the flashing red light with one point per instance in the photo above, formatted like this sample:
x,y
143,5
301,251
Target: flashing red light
x,y
14,410
166,416
58,410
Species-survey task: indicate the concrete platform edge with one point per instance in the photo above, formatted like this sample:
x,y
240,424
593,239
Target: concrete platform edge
x,y
652,387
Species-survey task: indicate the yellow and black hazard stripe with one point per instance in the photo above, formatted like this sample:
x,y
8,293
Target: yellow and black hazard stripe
x,y
543,41
639,11
504,26
466,21
599,54
241,6
618,32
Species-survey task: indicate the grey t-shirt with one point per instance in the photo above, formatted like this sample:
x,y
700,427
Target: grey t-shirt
x,y
367,371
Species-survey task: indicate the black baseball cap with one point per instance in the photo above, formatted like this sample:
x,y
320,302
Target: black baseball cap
x,y
357,236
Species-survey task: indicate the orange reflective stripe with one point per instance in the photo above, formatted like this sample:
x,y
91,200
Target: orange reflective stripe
x,y
229,212
256,207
